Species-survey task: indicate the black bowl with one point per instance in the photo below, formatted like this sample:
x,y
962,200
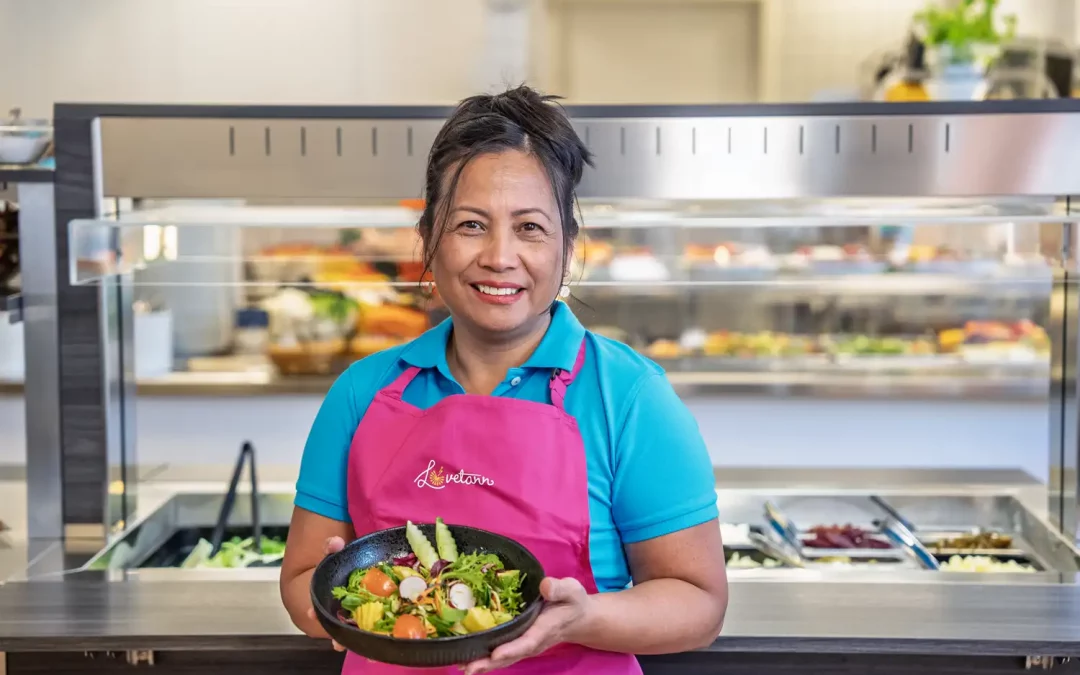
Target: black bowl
x,y
382,546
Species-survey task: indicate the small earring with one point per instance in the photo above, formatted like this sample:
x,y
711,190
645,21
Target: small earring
x,y
564,291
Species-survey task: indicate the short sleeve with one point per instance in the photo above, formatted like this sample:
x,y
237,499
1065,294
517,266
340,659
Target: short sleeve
x,y
322,486
663,477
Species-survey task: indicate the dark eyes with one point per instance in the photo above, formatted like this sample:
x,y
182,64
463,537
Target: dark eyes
x,y
475,226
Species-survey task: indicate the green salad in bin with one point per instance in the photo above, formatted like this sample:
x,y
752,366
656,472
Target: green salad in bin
x,y
235,553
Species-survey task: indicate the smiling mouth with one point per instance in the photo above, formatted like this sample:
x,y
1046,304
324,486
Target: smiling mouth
x,y
492,290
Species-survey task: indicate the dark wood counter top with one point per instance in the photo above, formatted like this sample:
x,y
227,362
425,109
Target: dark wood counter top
x,y
87,614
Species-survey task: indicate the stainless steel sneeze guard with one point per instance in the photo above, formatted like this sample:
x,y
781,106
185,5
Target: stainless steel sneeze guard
x,y
760,157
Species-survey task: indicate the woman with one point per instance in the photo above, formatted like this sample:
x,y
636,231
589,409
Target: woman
x,y
510,416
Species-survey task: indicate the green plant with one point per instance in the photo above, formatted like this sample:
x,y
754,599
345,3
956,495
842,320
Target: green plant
x,y
963,26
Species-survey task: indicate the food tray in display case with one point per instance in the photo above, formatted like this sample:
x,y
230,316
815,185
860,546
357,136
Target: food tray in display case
x,y
842,532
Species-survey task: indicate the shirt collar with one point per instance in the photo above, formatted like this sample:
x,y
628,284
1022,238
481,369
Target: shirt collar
x,y
557,349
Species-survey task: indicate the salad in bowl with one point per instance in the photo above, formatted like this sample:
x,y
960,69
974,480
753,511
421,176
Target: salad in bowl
x,y
427,595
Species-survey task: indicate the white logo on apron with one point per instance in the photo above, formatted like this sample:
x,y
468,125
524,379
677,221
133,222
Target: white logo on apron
x,y
439,479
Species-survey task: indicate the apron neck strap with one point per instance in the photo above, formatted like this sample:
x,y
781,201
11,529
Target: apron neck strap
x,y
396,388
560,379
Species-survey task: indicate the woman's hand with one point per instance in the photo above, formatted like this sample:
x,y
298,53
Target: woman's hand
x,y
566,609
332,546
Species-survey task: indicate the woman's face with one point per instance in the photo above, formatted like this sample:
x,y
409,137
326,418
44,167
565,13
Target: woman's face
x,y
499,262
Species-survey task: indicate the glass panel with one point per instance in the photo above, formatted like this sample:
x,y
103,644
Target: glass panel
x,y
865,333
716,299
168,236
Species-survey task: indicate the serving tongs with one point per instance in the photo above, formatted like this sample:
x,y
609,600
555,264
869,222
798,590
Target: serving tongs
x,y
782,526
891,512
247,455
905,539
778,549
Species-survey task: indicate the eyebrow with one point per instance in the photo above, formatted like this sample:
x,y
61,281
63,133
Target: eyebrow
x,y
515,213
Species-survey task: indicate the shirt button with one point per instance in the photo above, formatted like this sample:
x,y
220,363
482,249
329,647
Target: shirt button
x,y
515,382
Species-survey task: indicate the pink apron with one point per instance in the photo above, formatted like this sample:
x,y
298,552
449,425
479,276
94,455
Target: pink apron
x,y
506,465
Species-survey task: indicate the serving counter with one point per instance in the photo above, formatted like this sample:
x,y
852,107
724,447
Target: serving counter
x,y
122,605
72,626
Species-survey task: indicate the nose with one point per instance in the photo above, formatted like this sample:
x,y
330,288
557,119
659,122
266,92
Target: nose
x,y
500,250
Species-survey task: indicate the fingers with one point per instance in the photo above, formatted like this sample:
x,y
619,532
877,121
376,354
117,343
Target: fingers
x,y
337,647
560,590
549,588
511,652
477,667
533,642
542,634
333,545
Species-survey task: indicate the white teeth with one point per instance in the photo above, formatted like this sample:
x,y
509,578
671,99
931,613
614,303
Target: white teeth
x,y
491,290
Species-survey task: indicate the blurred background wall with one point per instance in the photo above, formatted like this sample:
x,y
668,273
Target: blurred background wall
x,y
437,51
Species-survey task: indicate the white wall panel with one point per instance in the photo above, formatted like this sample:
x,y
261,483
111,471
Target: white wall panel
x,y
395,51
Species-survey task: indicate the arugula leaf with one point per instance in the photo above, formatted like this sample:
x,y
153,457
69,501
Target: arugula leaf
x,y
356,579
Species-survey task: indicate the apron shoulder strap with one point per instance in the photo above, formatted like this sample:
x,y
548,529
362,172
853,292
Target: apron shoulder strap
x,y
560,379
396,388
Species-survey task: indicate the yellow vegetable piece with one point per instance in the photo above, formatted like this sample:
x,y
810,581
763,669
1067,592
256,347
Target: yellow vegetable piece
x,y
478,619
368,614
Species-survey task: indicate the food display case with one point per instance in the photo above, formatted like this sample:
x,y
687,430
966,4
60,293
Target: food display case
x,y
824,253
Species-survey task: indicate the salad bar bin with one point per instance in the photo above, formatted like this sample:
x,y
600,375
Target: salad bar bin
x,y
178,536
841,538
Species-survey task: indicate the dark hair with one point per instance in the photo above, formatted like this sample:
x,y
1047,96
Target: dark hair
x,y
517,119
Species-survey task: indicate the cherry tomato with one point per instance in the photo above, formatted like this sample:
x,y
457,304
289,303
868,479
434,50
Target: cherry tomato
x,y
377,583
409,627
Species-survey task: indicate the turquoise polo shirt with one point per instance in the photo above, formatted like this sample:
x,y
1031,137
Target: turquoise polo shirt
x,y
648,469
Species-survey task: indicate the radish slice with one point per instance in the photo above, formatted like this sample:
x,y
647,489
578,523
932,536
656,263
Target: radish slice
x,y
411,588
461,597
